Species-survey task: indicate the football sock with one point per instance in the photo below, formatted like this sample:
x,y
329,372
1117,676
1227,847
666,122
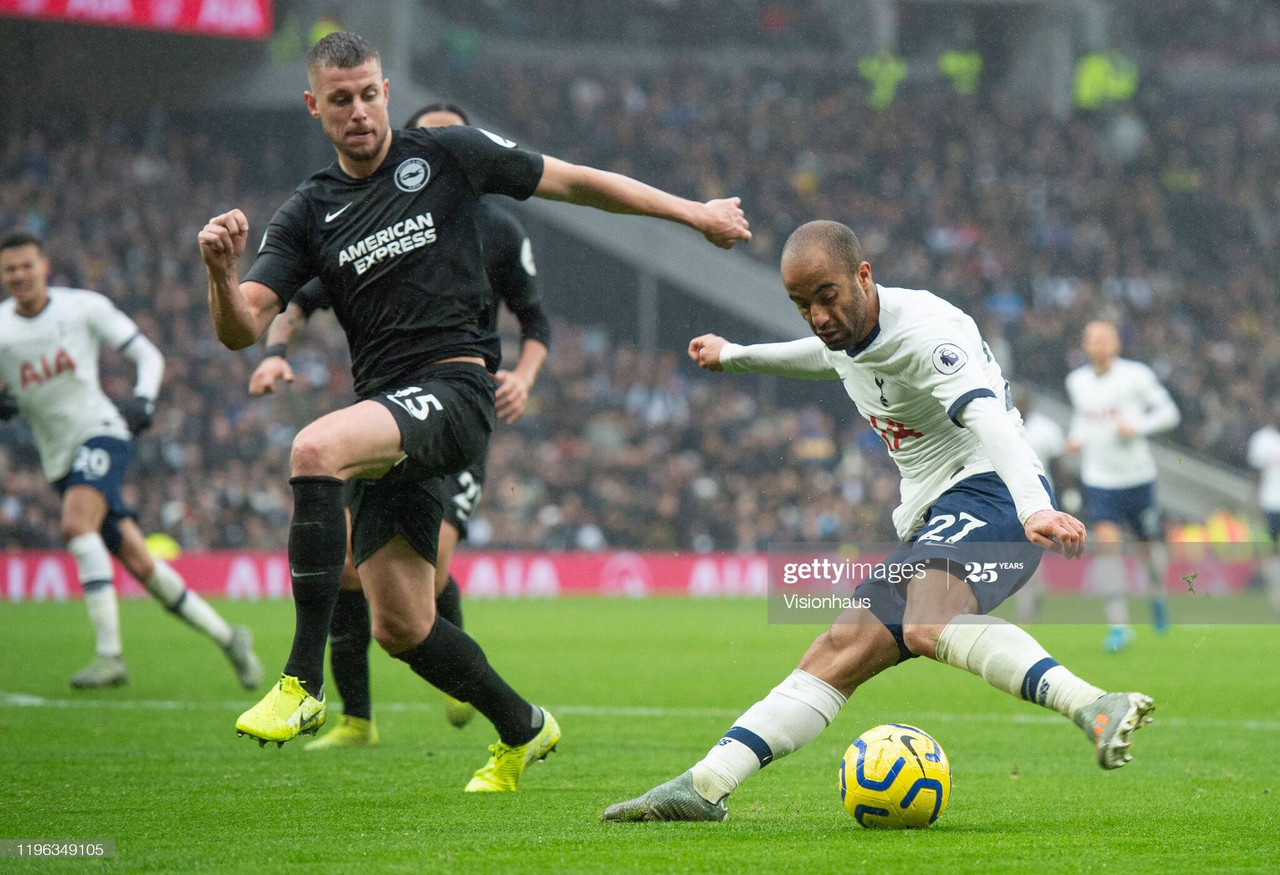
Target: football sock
x,y
1109,577
1271,569
317,553
93,567
791,716
449,603
452,662
1011,660
167,586
100,600
1157,563
349,637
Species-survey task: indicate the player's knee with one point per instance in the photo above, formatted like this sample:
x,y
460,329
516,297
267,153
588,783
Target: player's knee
x,y
73,526
921,638
396,633
312,456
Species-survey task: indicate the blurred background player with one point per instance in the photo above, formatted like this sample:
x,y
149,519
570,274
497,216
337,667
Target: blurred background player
x,y
1116,405
1264,454
1049,441
509,265
49,343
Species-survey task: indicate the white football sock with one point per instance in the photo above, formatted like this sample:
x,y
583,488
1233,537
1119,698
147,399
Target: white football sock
x,y
1011,660
1157,564
1271,570
100,600
791,716
1111,581
171,590
93,567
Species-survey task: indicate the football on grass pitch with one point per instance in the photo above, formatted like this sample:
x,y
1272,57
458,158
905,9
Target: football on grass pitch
x,y
895,777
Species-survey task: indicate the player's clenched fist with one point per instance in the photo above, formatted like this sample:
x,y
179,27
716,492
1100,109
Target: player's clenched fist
x,y
705,350
724,223
223,239
1056,531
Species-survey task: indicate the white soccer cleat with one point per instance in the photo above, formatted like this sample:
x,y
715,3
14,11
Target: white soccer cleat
x,y
1110,720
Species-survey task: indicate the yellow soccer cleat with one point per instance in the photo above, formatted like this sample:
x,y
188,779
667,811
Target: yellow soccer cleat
x,y
350,732
458,712
283,714
506,765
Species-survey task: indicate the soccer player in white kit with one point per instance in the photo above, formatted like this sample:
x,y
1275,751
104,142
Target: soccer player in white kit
x,y
1116,405
49,342
1263,453
918,371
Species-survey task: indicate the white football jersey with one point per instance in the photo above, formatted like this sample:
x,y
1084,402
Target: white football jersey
x,y
910,378
1264,454
50,363
1129,393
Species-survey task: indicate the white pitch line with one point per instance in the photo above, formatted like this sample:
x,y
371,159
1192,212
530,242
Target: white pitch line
x,y
25,700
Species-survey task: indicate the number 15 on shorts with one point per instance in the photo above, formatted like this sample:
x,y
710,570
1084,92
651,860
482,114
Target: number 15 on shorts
x,y
417,404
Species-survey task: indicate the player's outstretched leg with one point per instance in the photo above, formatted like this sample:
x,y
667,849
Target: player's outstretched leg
x,y
792,715
349,639
167,587
93,566
397,581
938,623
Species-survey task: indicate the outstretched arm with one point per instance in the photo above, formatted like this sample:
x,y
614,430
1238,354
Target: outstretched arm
x,y
241,311
720,221
800,359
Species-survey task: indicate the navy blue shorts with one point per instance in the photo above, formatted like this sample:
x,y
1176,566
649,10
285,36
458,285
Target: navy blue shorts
x,y
101,462
976,511
1134,507
1273,525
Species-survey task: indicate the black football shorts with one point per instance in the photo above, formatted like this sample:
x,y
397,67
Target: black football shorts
x,y
445,417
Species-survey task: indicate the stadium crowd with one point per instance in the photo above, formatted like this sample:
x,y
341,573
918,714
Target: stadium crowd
x,y
1160,219
1162,215
794,24
619,448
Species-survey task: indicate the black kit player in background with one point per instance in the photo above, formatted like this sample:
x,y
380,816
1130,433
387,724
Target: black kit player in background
x,y
390,230
512,274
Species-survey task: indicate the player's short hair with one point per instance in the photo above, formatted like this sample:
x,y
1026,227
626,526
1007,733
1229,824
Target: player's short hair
x,y
438,106
343,50
831,237
15,239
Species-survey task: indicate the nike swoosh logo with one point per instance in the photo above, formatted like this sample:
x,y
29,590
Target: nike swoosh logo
x,y
329,217
305,573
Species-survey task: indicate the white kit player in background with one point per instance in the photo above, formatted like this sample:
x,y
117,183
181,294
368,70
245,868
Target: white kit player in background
x,y
1264,454
1049,442
1116,405
49,342
918,371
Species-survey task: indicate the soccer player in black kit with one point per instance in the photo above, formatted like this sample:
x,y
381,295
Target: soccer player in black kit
x,y
390,230
509,265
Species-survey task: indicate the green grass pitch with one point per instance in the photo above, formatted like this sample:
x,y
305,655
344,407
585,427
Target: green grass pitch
x,y
641,688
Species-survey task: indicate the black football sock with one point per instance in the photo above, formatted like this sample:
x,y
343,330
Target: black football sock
x,y
317,552
449,603
349,638
453,662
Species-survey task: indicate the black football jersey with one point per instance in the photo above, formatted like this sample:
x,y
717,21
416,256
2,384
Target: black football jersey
x,y
508,264
399,251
